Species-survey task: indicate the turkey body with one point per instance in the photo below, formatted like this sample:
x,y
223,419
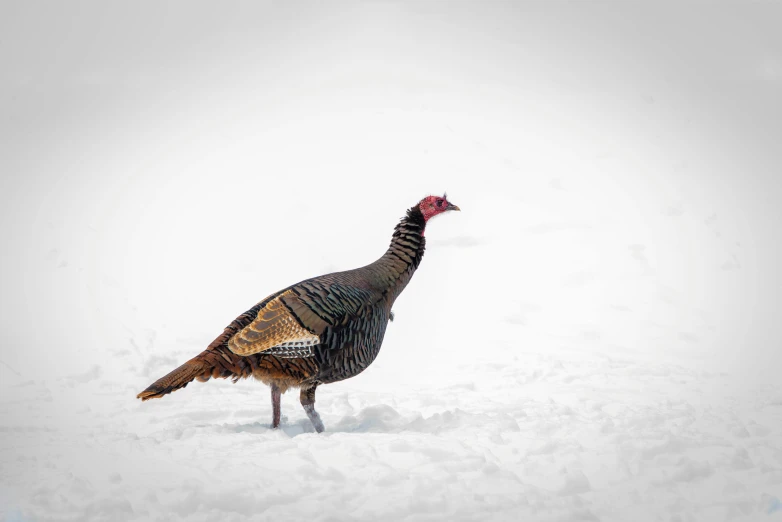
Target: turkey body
x,y
318,331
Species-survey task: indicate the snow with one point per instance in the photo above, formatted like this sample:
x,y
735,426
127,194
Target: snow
x,y
594,337
545,437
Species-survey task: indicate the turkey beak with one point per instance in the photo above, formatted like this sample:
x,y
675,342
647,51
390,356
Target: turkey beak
x,y
452,207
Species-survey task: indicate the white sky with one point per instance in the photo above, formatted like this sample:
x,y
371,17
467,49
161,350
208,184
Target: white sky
x,y
166,166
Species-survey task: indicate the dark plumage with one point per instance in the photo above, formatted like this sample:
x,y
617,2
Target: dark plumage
x,y
318,331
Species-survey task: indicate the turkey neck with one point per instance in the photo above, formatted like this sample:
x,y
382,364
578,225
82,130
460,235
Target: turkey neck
x,y
396,267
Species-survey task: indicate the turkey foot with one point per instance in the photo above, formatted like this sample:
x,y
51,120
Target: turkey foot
x,y
314,417
275,406
307,397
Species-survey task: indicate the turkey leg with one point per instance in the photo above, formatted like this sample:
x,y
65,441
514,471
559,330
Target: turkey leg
x,y
307,398
275,406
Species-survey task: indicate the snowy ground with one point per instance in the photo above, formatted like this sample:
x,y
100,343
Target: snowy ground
x,y
538,437
596,336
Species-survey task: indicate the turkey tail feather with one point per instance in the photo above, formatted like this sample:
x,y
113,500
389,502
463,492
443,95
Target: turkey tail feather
x,y
175,380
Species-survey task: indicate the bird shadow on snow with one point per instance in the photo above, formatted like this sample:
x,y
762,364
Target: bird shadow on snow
x,y
385,419
378,419
382,418
262,428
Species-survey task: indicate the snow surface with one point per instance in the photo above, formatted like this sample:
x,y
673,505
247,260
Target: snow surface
x,y
535,436
596,335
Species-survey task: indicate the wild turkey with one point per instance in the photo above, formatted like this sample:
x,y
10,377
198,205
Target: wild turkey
x,y
318,331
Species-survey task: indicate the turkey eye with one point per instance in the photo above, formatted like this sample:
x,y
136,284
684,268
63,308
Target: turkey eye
x,y
439,202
